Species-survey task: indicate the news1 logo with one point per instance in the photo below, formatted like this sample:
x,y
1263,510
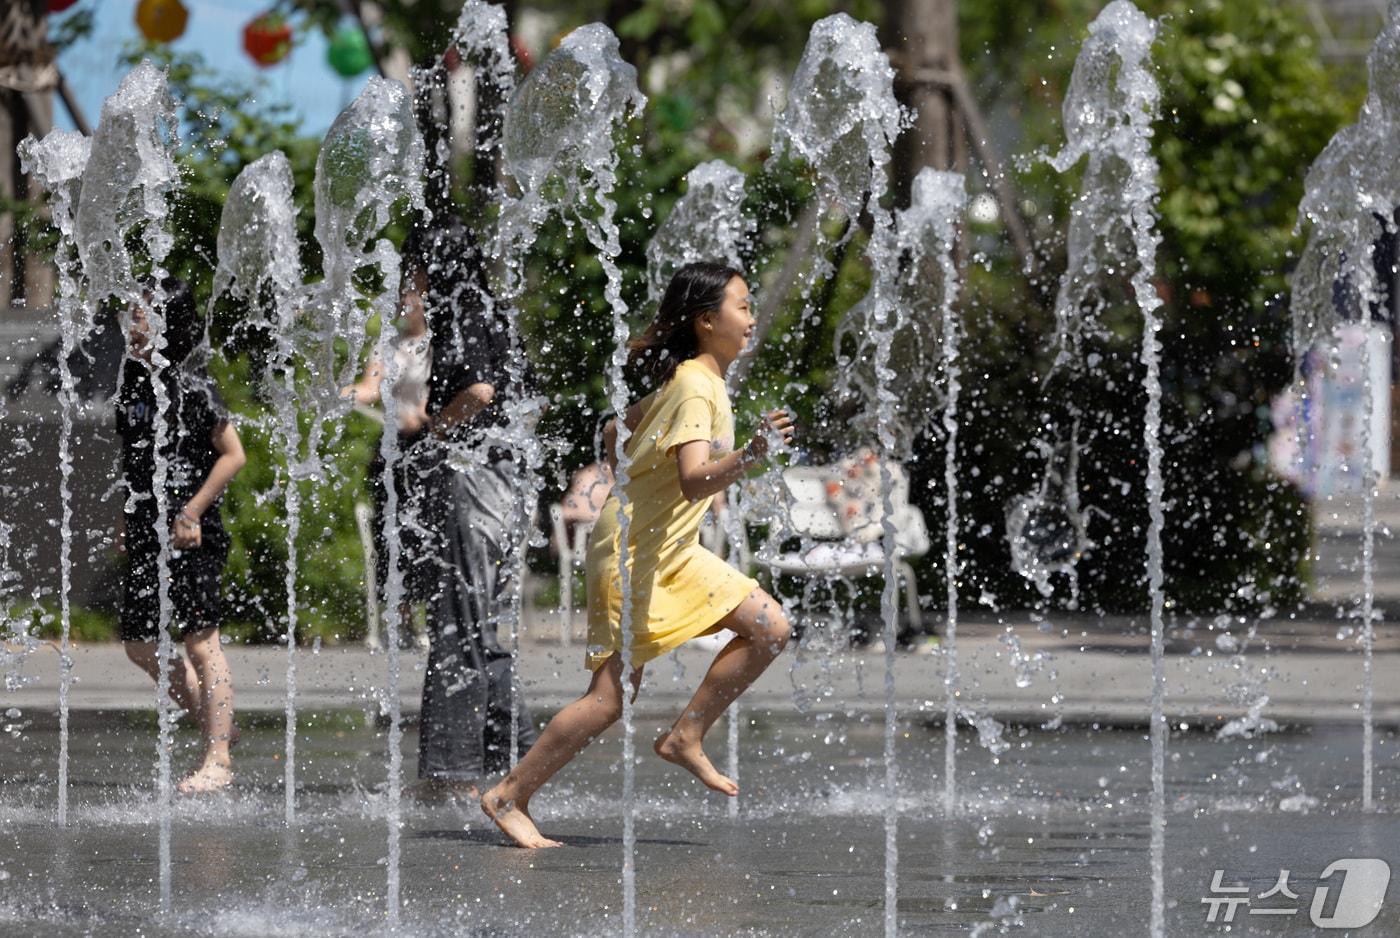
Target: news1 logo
x,y
1349,895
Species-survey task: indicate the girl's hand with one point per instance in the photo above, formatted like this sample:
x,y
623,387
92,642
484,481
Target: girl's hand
x,y
185,533
775,425
412,421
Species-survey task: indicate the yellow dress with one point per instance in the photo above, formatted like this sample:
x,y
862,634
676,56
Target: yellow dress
x,y
680,590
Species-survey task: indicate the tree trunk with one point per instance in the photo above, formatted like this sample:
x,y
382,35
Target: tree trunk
x,y
923,38
27,80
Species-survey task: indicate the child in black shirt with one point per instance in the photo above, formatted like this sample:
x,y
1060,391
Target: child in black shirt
x,y
203,453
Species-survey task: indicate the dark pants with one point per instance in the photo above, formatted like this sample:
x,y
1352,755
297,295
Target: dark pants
x,y
467,690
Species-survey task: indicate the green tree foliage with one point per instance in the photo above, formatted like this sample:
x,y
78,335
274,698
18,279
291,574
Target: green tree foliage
x,y
1246,106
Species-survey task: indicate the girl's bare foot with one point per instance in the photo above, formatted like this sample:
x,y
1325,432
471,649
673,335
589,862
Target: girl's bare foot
x,y
208,778
692,758
514,822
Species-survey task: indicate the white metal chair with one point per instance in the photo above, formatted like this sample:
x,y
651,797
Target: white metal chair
x,y
800,509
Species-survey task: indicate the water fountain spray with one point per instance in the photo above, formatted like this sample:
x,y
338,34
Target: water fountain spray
x,y
371,159
127,183
707,223
58,161
258,265
927,237
560,125
922,280
482,38
1108,112
842,118
1351,196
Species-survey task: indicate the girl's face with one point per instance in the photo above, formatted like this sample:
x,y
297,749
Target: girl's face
x,y
726,332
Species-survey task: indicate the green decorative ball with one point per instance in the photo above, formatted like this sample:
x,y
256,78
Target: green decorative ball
x,y
349,53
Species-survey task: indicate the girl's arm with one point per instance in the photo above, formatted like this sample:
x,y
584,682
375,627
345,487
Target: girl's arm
x,y
366,390
633,418
186,532
469,402
700,476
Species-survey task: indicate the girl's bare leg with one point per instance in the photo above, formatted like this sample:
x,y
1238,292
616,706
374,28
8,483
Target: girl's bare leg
x,y
761,632
216,711
184,683
573,728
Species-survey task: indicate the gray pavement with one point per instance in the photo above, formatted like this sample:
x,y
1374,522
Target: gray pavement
x,y
1077,671
1337,567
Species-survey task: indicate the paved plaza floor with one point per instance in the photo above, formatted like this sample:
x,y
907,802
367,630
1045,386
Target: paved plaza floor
x,y
1048,834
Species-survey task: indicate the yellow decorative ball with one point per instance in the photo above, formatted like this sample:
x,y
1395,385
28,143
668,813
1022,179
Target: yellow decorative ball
x,y
161,20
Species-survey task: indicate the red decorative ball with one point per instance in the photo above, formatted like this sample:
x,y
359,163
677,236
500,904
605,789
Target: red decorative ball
x,y
267,39
521,53
58,6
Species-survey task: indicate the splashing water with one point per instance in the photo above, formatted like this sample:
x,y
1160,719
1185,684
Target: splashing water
x,y
922,280
14,624
1047,529
561,121
371,159
482,36
58,162
1109,109
928,233
1351,195
840,109
842,118
258,264
841,115
707,224
128,180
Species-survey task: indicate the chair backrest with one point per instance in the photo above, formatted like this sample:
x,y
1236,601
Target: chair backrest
x,y
807,510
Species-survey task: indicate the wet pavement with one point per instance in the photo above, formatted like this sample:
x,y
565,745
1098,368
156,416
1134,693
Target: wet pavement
x,y
1050,835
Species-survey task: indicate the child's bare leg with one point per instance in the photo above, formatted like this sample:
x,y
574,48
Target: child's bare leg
x,y
184,683
574,727
216,709
761,632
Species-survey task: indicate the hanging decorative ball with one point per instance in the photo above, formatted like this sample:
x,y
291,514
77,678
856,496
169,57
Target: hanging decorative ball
x,y
522,54
267,39
58,6
161,20
348,53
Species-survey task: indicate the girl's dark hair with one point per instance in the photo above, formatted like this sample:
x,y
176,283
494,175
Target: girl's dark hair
x,y
696,289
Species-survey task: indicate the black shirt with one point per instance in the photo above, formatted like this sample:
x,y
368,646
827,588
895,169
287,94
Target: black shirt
x,y
473,347
194,415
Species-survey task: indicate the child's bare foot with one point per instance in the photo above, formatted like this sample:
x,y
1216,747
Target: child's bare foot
x,y
208,778
692,758
514,821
